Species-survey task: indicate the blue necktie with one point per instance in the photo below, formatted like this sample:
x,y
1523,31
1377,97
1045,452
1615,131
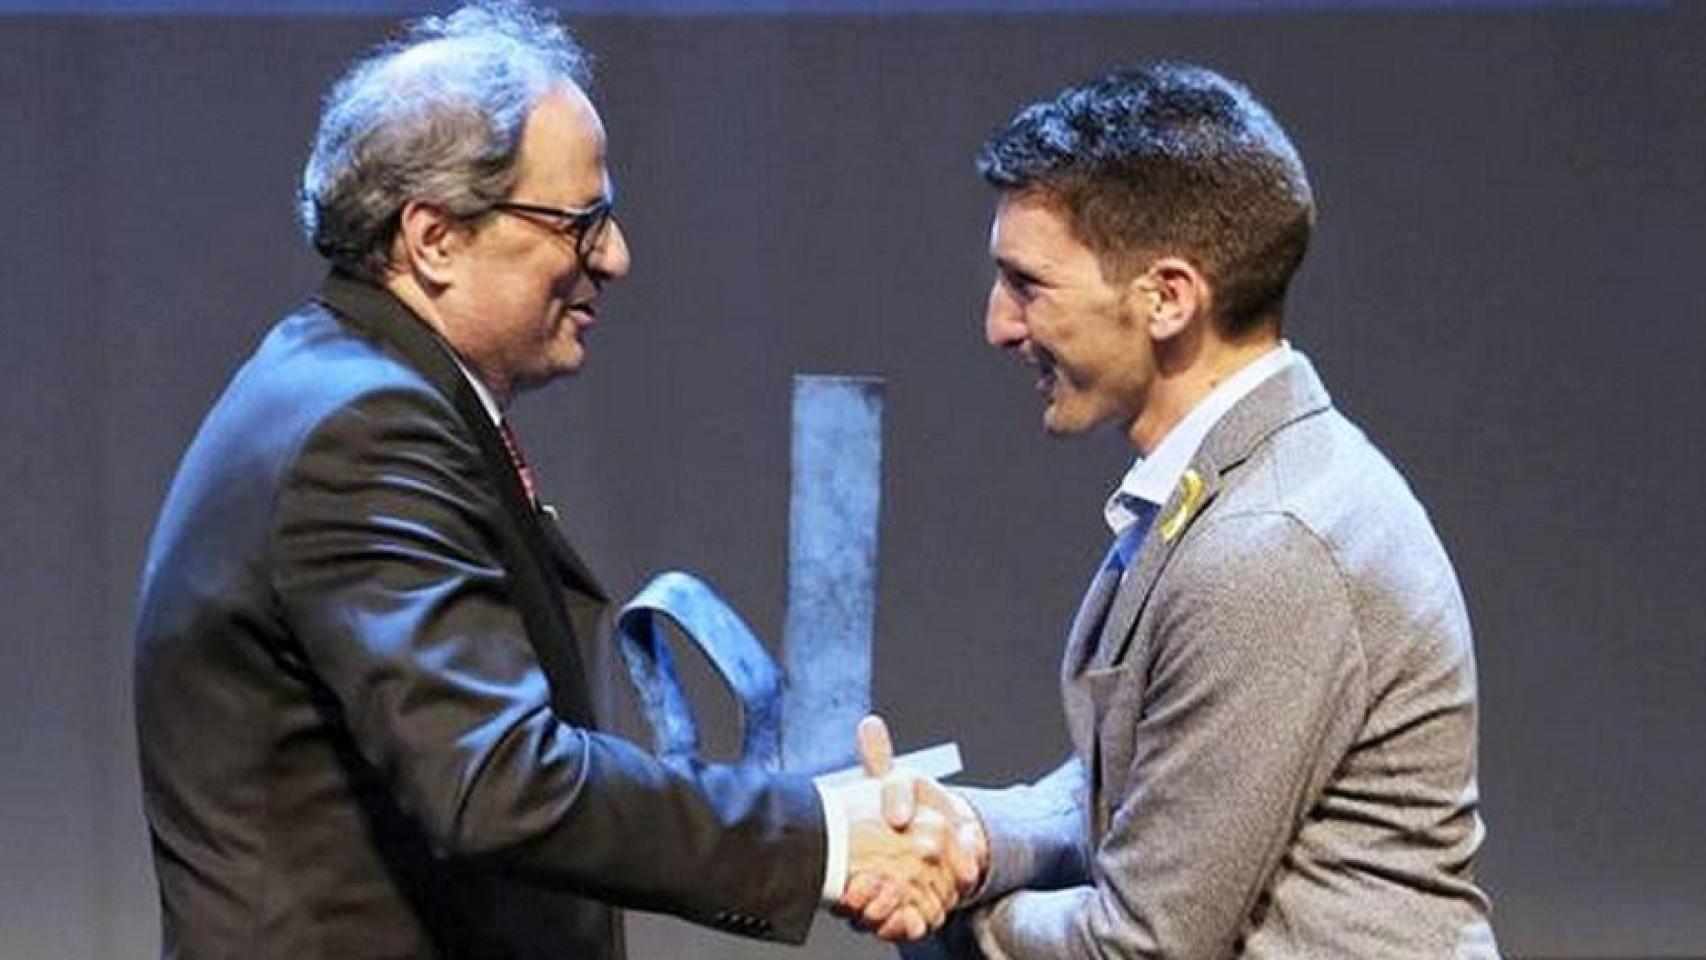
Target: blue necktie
x,y
1130,540
1099,599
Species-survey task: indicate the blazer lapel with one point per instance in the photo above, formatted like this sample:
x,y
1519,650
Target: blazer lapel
x,y
1157,548
1092,613
1286,397
536,566
1080,638
574,571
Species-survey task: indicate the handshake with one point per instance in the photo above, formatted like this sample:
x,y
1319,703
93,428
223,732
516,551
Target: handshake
x,y
915,848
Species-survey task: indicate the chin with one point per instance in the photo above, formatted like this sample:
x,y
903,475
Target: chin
x,y
567,362
1060,422
547,372
1058,426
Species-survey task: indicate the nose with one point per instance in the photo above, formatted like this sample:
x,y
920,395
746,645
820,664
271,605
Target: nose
x,y
611,258
1003,324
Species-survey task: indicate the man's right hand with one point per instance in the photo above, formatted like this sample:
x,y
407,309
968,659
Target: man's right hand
x,y
916,848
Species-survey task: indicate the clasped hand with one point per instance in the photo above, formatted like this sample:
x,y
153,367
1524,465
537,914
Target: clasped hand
x,y
915,847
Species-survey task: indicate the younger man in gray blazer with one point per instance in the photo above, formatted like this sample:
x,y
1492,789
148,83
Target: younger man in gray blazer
x,y
1270,686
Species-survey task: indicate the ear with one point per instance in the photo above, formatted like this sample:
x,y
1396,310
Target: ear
x,y
1170,297
426,242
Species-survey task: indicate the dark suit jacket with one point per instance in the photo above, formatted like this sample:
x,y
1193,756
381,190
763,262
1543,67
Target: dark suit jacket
x,y
363,723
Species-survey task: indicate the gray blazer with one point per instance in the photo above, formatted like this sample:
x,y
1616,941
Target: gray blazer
x,y
1274,732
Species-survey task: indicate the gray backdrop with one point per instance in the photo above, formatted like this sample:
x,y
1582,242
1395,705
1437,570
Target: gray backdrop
x,y
1502,292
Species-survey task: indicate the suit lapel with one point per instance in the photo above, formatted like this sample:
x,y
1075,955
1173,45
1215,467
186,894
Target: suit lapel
x,y
1091,609
1146,568
570,566
535,555
1288,396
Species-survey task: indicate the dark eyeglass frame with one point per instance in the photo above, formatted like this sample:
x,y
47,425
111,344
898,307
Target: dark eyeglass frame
x,y
584,225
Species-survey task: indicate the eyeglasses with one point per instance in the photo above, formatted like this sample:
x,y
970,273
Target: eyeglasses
x,y
586,225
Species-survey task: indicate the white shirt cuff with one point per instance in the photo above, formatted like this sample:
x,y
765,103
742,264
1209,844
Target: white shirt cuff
x,y
835,832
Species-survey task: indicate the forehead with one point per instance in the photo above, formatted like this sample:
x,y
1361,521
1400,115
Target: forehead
x,y
1031,230
562,150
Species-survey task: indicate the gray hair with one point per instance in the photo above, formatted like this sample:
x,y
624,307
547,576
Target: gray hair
x,y
435,116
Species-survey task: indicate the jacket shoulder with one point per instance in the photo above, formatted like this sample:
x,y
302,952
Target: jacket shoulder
x,y
311,371
312,364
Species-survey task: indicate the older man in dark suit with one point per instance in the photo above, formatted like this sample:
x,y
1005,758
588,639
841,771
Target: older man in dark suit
x,y
365,730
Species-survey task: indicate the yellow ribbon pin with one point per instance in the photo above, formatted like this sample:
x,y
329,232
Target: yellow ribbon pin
x,y
1190,494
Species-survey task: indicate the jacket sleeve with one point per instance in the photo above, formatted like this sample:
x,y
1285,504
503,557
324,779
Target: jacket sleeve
x,y
1037,840
385,536
1252,696
1037,832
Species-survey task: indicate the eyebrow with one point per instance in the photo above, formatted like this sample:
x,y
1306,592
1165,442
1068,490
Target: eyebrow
x,y
1015,269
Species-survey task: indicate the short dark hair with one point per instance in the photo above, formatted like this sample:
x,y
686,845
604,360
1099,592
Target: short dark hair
x,y
435,116
1168,158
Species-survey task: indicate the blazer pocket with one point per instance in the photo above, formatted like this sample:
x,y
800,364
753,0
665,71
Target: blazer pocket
x,y
1116,703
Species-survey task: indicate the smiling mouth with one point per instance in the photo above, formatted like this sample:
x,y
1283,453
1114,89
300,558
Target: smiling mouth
x,y
1046,375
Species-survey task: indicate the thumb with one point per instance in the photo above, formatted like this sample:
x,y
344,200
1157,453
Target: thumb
x,y
898,798
876,750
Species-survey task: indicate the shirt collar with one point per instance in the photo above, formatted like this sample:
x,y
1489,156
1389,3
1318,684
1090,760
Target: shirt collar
x,y
489,402
1152,478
